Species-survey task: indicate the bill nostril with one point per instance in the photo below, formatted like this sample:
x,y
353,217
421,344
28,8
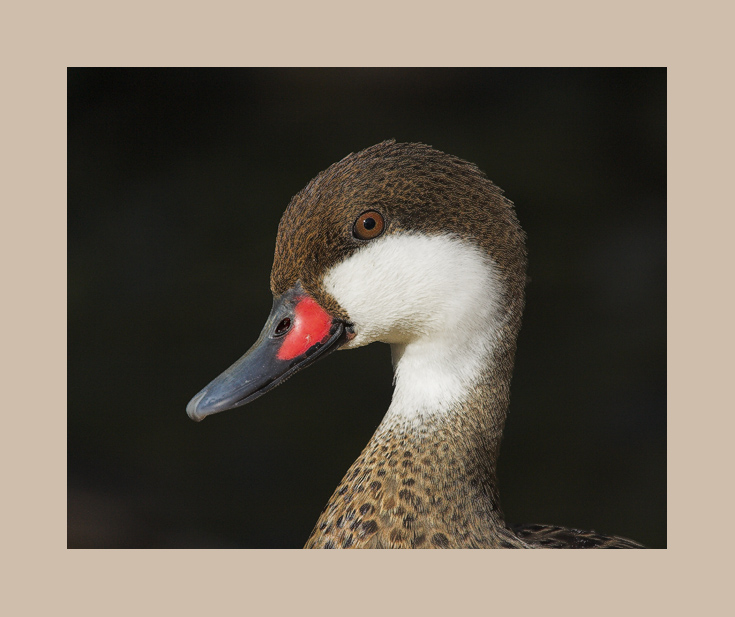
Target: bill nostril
x,y
283,327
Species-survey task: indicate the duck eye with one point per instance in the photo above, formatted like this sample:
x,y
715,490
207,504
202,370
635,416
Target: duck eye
x,y
368,225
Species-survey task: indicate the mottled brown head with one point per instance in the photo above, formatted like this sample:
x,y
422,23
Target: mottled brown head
x,y
416,189
401,244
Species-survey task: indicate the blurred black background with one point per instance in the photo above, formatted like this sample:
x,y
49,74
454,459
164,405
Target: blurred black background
x,y
176,182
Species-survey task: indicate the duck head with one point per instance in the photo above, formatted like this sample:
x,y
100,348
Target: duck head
x,y
399,243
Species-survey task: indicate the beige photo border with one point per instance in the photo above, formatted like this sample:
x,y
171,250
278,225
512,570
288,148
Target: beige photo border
x,y
43,577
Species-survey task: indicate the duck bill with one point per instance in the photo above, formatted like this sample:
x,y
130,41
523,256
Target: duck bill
x,y
298,332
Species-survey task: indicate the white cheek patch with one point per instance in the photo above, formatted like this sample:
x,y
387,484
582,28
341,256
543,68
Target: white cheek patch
x,y
437,300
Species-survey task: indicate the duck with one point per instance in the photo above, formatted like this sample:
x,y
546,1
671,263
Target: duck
x,y
403,244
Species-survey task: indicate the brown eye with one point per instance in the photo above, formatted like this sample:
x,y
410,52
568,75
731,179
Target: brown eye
x,y
369,225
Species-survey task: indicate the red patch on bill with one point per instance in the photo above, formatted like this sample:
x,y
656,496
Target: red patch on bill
x,y
310,326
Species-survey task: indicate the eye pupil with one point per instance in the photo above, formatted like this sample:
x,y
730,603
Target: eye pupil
x,y
369,223
283,326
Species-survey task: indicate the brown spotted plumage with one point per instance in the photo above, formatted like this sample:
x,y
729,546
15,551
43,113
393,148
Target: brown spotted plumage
x,y
432,488
426,480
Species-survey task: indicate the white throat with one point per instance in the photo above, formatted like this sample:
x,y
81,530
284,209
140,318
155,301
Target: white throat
x,y
437,300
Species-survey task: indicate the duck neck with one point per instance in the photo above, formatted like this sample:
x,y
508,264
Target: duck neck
x,y
457,392
448,409
427,478
458,379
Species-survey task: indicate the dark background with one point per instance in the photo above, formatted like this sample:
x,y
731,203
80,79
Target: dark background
x,y
176,182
